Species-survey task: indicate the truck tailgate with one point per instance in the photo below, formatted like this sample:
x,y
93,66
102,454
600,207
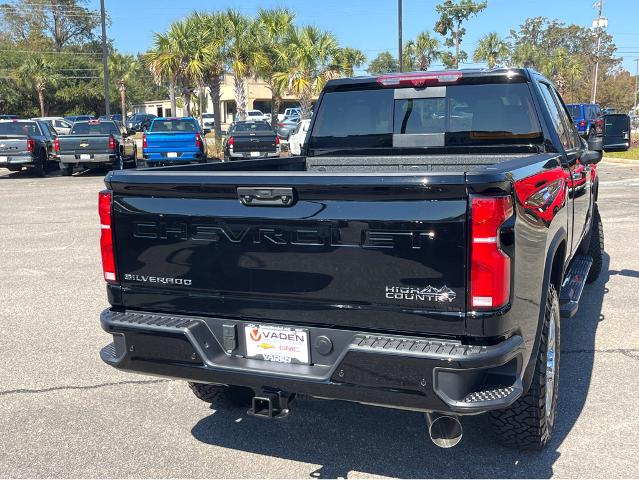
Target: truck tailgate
x,y
162,142
255,142
11,145
361,251
84,144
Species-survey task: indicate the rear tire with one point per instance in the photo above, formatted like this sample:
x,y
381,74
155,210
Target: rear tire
x,y
222,396
66,169
41,165
528,423
596,247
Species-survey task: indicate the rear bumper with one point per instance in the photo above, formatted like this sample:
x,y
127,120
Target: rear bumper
x,y
248,156
415,373
182,157
95,158
16,160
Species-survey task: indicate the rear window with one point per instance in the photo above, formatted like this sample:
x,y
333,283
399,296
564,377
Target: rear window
x,y
179,125
459,115
252,127
575,111
255,114
616,124
101,128
19,128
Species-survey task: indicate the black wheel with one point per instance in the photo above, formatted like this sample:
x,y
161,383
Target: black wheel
x,y
529,422
66,169
221,396
596,245
41,164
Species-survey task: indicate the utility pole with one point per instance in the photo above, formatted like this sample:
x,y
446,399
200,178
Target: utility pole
x,y
399,31
599,27
636,102
105,61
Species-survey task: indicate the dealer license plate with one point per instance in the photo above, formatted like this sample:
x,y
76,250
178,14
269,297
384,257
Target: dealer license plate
x,y
85,156
171,154
3,159
255,154
277,344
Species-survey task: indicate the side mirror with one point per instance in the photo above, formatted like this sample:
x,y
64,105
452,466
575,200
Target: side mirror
x,y
591,156
595,144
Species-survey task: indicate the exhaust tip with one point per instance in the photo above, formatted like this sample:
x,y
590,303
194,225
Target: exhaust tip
x,y
445,431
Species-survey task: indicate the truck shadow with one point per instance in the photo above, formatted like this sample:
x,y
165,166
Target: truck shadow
x,y
343,437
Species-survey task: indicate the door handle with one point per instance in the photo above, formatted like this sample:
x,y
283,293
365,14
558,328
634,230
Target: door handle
x,y
266,196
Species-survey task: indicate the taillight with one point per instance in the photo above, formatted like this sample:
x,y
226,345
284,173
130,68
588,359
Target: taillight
x,y
198,141
56,144
419,79
30,145
112,143
144,141
582,123
281,125
231,141
489,265
277,140
106,236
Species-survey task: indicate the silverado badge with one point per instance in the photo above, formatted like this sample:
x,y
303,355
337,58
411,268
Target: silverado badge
x,y
84,145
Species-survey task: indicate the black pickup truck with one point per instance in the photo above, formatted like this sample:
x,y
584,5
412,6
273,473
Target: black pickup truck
x,y
26,144
251,139
419,255
94,143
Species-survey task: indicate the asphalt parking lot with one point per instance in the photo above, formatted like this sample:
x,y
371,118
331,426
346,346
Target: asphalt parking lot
x,y
63,413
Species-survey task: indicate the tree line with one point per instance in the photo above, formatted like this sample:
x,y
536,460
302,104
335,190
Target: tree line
x,y
562,52
50,58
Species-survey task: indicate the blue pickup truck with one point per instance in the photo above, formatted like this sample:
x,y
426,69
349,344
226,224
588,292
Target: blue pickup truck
x,y
171,141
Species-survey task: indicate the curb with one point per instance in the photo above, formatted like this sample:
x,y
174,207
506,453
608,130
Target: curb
x,y
621,160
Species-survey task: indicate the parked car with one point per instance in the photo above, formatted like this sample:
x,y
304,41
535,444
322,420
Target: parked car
x,y
116,117
286,126
617,132
59,124
256,115
296,139
8,117
290,112
173,140
208,120
140,122
588,118
94,143
26,144
407,259
251,139
79,118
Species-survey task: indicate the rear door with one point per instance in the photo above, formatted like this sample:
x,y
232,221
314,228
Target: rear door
x,y
361,251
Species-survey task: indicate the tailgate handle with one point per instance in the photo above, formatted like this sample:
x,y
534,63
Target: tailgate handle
x,y
266,196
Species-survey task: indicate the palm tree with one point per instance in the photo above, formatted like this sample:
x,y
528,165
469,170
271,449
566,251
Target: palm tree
x,y
164,64
312,53
122,67
37,73
211,28
348,59
274,26
491,49
422,52
242,55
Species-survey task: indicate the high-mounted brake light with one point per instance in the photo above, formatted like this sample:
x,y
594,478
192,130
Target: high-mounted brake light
x,y
56,144
106,236
198,141
112,143
489,265
144,141
30,145
419,79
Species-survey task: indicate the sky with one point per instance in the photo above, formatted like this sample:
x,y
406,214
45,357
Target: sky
x,y
371,25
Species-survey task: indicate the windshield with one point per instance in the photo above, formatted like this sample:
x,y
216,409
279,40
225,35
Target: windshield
x,y
19,128
465,115
101,128
207,115
252,127
137,118
575,111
